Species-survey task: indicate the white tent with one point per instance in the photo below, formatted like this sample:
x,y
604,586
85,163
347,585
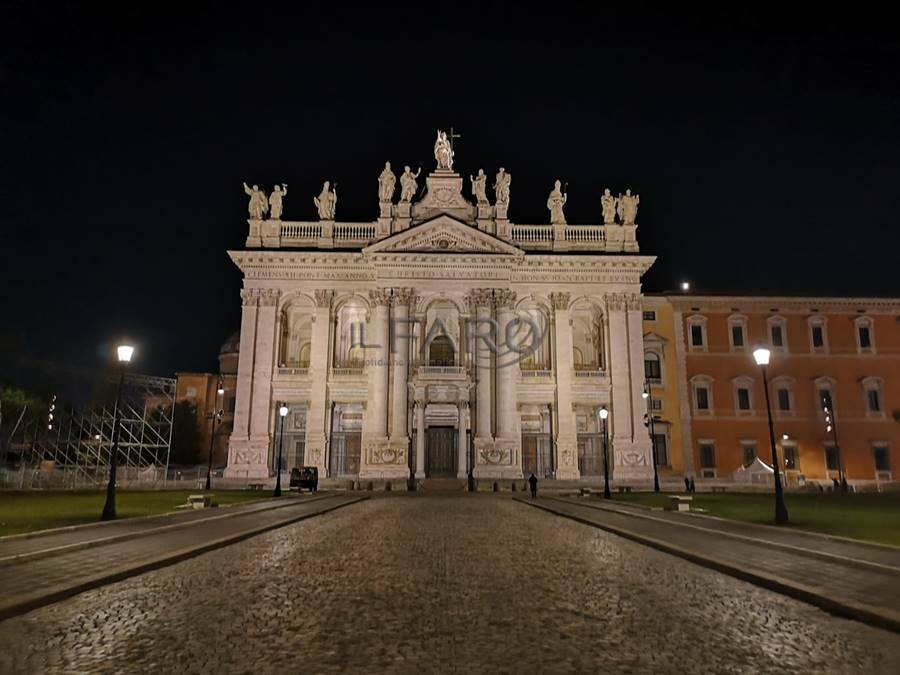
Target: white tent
x,y
756,471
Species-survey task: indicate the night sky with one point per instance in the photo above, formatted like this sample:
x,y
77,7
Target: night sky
x,y
764,146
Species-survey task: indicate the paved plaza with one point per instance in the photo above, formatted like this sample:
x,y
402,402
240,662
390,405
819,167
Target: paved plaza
x,y
457,583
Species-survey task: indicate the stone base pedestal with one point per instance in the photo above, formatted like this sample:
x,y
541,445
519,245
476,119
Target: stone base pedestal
x,y
254,238
248,458
631,460
497,458
402,216
385,459
504,229
567,459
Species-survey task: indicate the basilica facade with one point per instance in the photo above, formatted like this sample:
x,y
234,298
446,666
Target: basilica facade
x,y
441,339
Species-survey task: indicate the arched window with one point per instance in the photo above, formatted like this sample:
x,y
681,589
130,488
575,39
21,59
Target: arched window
x,y
441,352
652,367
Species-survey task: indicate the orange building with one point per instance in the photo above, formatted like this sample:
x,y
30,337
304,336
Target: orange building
x,y
839,351
201,389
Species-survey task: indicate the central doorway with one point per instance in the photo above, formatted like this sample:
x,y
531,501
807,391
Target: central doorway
x,y
440,452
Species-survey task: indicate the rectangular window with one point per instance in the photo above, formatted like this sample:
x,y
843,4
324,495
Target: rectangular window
x,y
784,399
831,458
656,404
230,404
652,369
702,398
818,336
882,458
707,456
743,399
865,337
192,392
790,458
777,336
749,452
697,335
737,336
660,450
649,315
873,400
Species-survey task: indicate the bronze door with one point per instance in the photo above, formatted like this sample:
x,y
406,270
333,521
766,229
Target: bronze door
x,y
529,455
440,451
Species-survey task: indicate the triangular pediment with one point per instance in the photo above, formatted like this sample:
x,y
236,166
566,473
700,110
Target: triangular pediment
x,y
443,234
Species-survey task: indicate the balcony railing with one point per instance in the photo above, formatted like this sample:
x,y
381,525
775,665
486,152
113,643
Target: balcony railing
x,y
588,236
354,231
590,373
284,370
442,370
348,371
533,236
301,230
537,373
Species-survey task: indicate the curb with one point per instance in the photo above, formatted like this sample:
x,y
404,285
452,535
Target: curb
x,y
879,618
799,550
117,538
61,593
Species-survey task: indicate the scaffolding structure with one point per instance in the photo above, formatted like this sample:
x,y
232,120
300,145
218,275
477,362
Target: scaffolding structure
x,y
74,450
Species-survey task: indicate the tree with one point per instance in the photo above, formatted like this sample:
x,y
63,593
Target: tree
x,y
185,435
19,409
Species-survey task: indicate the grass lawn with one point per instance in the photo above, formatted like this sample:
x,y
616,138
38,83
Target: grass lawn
x,y
868,516
28,511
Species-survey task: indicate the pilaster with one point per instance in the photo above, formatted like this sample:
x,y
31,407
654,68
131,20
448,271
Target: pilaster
x,y
316,425
566,441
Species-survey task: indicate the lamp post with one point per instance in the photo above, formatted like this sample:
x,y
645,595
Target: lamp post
x,y
215,415
831,425
604,413
761,356
283,411
648,396
123,354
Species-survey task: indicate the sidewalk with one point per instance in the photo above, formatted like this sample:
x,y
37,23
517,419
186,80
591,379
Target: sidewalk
x,y
858,580
90,559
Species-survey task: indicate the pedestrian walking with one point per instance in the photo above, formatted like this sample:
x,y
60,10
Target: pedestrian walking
x,y
532,481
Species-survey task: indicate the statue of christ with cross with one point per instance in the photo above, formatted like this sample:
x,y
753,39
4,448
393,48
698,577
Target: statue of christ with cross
x,y
443,149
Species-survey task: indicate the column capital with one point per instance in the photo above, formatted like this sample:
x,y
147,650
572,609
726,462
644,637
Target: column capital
x,y
504,298
634,301
249,297
323,297
403,296
615,302
380,297
560,300
482,297
268,297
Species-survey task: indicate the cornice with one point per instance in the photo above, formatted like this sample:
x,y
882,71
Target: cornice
x,y
784,304
355,266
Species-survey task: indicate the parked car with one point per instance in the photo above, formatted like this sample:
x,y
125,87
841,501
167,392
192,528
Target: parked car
x,y
305,477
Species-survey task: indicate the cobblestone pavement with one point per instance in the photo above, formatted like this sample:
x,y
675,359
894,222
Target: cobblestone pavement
x,y
438,584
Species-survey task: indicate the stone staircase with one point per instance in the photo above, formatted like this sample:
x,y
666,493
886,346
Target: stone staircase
x,y
442,484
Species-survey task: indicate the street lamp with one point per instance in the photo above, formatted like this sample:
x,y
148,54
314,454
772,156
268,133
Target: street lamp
x,y
648,396
123,354
604,413
831,426
215,416
283,411
761,356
